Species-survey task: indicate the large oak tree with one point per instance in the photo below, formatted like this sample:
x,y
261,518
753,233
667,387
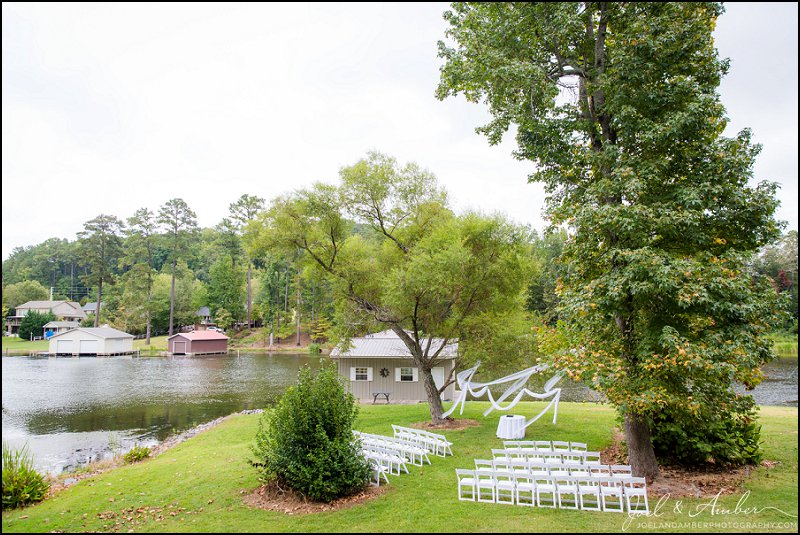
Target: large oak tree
x,y
616,104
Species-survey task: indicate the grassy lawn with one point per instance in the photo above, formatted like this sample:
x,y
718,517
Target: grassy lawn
x,y
13,343
199,486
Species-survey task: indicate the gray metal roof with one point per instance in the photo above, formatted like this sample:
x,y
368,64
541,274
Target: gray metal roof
x,y
203,311
59,324
388,345
92,307
100,332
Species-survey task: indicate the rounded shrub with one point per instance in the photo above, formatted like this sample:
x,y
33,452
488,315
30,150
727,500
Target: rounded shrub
x,y
314,349
22,484
136,454
306,441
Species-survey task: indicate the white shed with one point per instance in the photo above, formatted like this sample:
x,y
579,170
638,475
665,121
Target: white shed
x,y
380,364
92,341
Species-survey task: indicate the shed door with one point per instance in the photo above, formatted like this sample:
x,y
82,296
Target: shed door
x,y
438,376
91,347
179,347
64,346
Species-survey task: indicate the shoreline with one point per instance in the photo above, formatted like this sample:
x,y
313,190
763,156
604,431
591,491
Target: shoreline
x,y
65,480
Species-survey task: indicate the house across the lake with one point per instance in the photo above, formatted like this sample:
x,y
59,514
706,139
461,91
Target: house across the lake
x,y
381,363
91,341
197,343
62,310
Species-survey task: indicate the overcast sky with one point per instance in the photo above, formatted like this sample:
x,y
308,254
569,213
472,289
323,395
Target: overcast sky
x,y
111,107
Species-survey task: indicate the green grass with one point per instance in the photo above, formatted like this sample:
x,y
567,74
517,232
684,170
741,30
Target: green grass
x,y
785,345
202,482
14,343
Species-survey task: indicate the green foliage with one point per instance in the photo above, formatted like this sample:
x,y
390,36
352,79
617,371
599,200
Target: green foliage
x,y
314,349
227,288
32,325
136,453
688,439
24,291
658,309
22,484
223,318
412,265
306,442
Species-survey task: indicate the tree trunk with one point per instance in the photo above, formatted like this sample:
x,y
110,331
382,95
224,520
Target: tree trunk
x,y
172,298
147,315
99,297
249,298
434,399
298,310
641,455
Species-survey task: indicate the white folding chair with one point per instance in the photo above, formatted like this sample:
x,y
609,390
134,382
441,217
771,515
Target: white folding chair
x,y
589,488
559,445
621,471
611,496
566,491
636,487
543,445
466,481
599,470
591,457
500,455
545,491
484,481
525,485
484,464
577,446
578,470
504,486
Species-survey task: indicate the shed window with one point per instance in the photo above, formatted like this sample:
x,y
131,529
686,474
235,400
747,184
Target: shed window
x,y
361,373
406,375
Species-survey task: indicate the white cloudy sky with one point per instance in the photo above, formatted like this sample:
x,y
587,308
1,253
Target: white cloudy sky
x,y
111,107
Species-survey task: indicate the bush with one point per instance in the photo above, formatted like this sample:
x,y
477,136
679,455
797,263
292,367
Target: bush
x,y
730,441
136,454
22,484
32,325
306,442
314,349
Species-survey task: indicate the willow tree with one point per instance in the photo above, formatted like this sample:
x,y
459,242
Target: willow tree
x,y
414,268
616,104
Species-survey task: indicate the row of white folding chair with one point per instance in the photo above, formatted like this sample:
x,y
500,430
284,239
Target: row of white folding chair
x,y
410,450
563,491
386,458
549,457
573,469
433,442
545,445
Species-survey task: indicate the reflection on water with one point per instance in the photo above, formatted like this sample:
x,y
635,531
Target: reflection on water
x,y
89,406
74,410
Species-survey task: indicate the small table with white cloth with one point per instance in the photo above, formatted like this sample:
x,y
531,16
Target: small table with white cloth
x,y
511,427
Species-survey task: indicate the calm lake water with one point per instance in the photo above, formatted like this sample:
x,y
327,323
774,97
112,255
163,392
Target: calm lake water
x,y
71,411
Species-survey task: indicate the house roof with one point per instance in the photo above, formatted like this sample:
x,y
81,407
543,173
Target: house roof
x,y
201,335
92,307
388,344
100,332
59,308
203,311
59,324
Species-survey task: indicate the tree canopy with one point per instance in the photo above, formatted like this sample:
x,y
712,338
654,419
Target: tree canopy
x,y
418,270
617,106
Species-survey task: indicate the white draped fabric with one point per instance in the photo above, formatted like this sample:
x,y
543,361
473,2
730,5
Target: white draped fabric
x,y
518,380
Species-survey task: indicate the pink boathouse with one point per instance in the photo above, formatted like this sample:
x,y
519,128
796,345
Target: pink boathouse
x,y
197,343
